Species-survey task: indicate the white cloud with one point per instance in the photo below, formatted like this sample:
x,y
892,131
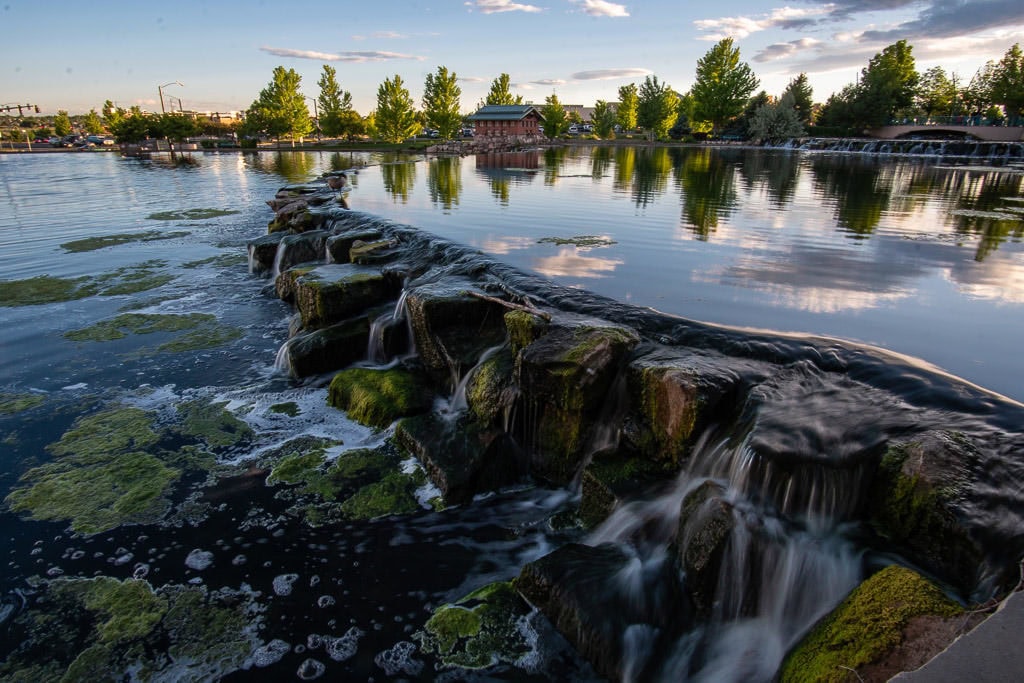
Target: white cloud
x,y
781,50
609,74
347,56
601,8
741,27
498,6
471,79
549,81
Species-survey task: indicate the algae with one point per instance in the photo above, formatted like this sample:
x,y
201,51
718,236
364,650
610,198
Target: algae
x,y
478,630
395,494
137,323
94,243
221,261
289,408
45,289
865,626
11,403
207,336
118,429
212,423
523,328
189,214
579,241
377,398
126,610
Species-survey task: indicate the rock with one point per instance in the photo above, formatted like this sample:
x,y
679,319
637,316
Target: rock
x,y
611,478
331,293
378,251
869,627
296,216
461,459
262,252
450,328
706,524
580,590
329,348
565,377
915,503
524,328
377,398
307,247
284,285
339,245
491,390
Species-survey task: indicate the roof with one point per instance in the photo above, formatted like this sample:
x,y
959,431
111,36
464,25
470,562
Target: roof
x,y
504,112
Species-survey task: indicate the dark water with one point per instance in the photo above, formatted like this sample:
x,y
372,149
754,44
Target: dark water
x,y
898,253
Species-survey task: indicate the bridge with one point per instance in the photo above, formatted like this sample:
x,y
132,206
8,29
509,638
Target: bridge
x,y
952,127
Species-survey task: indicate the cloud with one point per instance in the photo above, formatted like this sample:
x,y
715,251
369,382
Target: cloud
x,y
471,79
947,18
609,74
498,6
741,27
347,56
600,8
781,50
549,81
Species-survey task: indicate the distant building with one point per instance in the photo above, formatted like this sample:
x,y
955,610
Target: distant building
x,y
493,120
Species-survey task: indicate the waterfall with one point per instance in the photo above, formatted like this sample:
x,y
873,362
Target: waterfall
x,y
278,257
283,360
457,402
252,258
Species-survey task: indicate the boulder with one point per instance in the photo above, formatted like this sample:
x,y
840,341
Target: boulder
x,y
307,247
326,349
375,252
284,285
295,216
263,251
461,459
340,244
451,329
706,523
333,292
378,397
565,378
524,328
915,503
491,390
611,478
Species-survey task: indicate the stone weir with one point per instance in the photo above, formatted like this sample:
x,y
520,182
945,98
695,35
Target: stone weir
x,y
752,453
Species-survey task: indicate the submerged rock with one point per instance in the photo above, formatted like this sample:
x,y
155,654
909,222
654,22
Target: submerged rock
x,y
263,252
706,522
328,348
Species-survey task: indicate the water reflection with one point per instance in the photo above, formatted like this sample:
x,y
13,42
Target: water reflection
x,y
707,180
504,169
444,181
651,168
398,178
776,174
600,162
555,159
856,186
989,206
295,167
569,262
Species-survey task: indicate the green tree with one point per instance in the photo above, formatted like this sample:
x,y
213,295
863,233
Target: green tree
x,y
625,116
441,94
555,120
722,86
501,93
352,124
603,119
1007,83
333,103
396,115
132,127
93,124
280,110
754,104
62,123
774,122
656,106
887,86
174,127
936,92
803,97
111,114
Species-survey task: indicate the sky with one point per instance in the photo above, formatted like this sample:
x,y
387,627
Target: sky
x,y
217,55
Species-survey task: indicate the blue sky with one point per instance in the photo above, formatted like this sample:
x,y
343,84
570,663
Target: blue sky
x,y
73,56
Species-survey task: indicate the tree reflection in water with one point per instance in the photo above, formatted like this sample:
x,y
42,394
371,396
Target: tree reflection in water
x,y
444,181
398,178
707,181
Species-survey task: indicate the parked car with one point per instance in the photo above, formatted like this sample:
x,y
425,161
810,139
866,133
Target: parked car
x,y
56,142
70,140
574,129
468,132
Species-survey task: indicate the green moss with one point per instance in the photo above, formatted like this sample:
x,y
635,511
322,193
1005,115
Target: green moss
x,y
290,408
378,397
212,423
138,323
523,328
11,403
94,663
116,430
44,289
868,624
189,214
478,630
222,261
207,336
392,495
137,282
126,610
209,630
579,241
488,384
93,243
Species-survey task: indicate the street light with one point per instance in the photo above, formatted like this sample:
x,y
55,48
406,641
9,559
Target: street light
x,y
316,115
160,89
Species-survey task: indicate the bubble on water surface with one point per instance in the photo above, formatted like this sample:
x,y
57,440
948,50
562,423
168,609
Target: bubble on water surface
x,y
340,649
399,659
310,669
199,559
283,584
271,653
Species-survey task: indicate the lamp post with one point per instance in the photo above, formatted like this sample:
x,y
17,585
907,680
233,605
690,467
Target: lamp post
x,y
160,89
316,115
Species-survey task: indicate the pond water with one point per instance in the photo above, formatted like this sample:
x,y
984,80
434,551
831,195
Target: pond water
x,y
148,310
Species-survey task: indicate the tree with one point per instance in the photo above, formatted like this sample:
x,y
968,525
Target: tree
x,y
396,115
441,93
62,123
93,124
625,116
754,104
500,92
603,119
722,86
111,114
334,103
281,110
656,106
803,97
936,92
132,127
887,85
1007,84
777,121
838,110
555,119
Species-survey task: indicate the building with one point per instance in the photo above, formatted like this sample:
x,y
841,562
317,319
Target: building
x,y
501,120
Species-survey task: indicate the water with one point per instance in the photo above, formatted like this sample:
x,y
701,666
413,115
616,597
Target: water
x,y
897,253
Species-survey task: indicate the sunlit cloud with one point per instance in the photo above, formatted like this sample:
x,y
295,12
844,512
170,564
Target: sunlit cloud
x,y
506,245
609,74
549,81
499,6
741,27
600,8
781,50
471,79
569,263
347,56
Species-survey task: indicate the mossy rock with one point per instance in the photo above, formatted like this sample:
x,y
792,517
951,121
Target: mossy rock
x,y
491,389
394,494
478,630
335,292
612,478
378,251
333,480
263,251
328,348
339,246
706,524
524,328
284,285
865,627
377,398
11,402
